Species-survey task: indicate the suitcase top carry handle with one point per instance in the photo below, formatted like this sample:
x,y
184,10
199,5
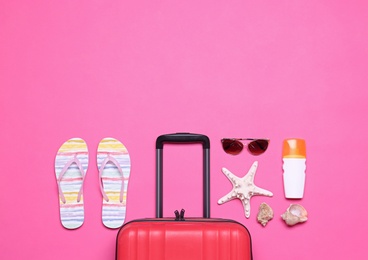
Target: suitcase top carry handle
x,y
183,138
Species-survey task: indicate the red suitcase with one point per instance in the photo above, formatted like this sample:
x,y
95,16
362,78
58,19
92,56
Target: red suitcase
x,y
181,238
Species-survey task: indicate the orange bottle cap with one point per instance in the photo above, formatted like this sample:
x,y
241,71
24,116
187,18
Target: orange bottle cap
x,y
294,148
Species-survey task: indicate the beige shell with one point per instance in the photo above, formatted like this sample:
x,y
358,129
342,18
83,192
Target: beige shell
x,y
295,214
265,214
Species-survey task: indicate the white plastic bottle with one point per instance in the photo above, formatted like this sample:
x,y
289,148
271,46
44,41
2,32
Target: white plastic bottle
x,y
294,165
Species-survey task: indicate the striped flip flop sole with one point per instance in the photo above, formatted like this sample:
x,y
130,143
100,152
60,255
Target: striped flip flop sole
x,y
71,181
113,180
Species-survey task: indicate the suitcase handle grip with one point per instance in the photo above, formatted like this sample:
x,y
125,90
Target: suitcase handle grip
x,y
183,138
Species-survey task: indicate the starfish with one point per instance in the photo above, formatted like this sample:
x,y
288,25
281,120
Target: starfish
x,y
243,188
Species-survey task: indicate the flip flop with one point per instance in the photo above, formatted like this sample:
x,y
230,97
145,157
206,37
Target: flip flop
x,y
71,165
113,162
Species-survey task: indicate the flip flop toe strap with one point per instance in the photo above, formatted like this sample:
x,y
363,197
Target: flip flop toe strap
x,y
116,163
63,171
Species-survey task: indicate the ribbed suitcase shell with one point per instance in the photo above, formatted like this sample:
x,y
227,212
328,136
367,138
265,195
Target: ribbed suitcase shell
x,y
191,239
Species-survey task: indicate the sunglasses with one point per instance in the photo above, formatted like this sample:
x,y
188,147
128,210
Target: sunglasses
x,y
235,145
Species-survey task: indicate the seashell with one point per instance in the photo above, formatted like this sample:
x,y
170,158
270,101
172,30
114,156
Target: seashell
x,y
265,214
295,214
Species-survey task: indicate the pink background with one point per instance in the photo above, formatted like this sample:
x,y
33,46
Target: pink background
x,y
133,70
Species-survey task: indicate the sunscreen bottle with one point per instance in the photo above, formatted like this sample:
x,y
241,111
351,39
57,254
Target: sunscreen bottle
x,y
294,158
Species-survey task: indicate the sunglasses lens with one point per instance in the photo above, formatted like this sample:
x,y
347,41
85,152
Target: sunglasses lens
x,y
232,146
258,147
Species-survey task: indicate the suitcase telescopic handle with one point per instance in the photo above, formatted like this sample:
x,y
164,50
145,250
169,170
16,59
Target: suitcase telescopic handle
x,y
183,138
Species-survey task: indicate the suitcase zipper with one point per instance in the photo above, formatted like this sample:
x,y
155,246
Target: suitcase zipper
x,y
179,216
